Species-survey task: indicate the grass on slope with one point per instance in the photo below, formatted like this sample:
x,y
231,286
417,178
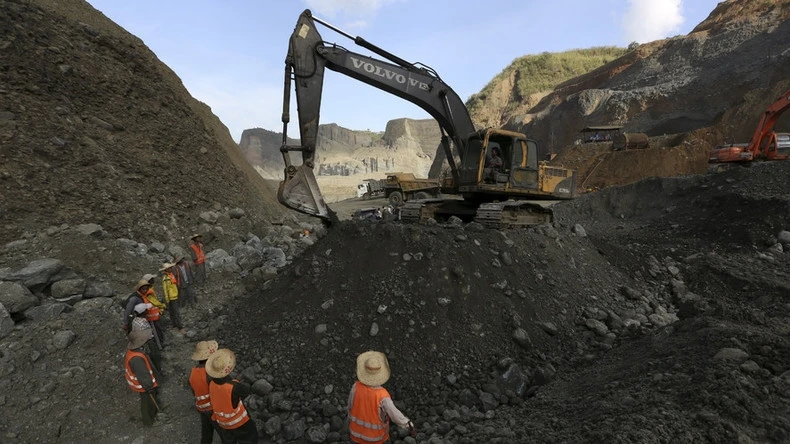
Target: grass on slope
x,y
542,72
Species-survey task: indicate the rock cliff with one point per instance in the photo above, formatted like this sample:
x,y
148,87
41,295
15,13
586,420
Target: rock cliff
x,y
344,157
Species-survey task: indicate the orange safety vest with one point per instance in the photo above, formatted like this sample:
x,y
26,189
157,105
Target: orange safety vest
x,y
200,257
152,314
366,426
221,401
131,378
199,383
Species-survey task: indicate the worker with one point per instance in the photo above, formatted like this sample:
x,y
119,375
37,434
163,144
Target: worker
x,y
495,163
198,258
140,323
143,294
370,407
142,376
185,278
154,314
199,380
170,294
226,396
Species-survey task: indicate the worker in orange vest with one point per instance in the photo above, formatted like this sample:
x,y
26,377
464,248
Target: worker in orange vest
x,y
370,407
226,396
142,376
199,380
145,289
198,258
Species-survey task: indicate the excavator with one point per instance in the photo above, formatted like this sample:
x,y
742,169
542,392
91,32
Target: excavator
x,y
765,144
502,196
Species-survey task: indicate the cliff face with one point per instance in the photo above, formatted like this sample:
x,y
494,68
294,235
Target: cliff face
x,y
344,157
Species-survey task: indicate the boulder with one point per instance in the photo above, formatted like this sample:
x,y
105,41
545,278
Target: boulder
x,y
98,290
247,257
15,297
38,273
47,311
6,323
68,287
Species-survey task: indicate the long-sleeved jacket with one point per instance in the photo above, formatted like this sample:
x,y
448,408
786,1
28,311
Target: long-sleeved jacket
x,y
153,299
128,312
183,274
169,287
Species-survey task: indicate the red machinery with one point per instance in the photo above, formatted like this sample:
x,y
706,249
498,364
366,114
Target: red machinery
x,y
765,143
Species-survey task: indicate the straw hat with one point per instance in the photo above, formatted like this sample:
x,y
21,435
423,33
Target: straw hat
x,y
373,368
220,363
167,265
148,277
137,338
204,349
196,235
141,283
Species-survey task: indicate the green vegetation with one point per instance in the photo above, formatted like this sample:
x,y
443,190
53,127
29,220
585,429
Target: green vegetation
x,y
543,72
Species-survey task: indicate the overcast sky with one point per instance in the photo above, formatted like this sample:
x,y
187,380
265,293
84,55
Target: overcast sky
x,y
230,54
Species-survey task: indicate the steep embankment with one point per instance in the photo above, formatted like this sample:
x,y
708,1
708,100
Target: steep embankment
x,y
94,128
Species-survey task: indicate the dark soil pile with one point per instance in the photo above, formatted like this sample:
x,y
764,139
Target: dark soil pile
x,y
94,128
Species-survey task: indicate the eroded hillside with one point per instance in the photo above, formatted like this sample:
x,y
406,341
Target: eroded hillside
x,y
94,128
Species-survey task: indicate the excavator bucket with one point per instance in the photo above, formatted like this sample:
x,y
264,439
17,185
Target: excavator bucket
x,y
300,192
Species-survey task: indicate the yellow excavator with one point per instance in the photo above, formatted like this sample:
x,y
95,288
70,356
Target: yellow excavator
x,y
495,193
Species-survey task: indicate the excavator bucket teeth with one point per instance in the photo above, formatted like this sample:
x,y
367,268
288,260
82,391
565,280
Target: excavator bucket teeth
x,y
300,192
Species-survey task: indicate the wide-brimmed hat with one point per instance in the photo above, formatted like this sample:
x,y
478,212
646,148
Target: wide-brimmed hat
x,y
137,338
220,363
148,277
141,283
167,265
204,349
196,235
373,368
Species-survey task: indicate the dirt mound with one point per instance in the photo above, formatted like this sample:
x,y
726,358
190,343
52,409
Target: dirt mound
x,y
100,131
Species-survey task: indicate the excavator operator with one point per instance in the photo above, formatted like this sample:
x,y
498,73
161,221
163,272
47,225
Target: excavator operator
x,y
493,165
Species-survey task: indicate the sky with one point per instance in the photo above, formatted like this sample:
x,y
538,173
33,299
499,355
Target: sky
x,y
230,54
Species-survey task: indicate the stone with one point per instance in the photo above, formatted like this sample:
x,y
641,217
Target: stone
x,y
272,426
731,354
98,290
247,257
47,312
262,387
38,273
293,430
579,230
68,287
209,216
316,433
63,339
15,297
6,323
597,327
522,338
90,230
236,213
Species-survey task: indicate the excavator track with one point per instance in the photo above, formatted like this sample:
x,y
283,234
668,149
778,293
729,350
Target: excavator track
x,y
498,215
513,213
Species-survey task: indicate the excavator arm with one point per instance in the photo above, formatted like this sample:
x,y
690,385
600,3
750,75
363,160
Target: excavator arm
x,y
765,128
308,57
